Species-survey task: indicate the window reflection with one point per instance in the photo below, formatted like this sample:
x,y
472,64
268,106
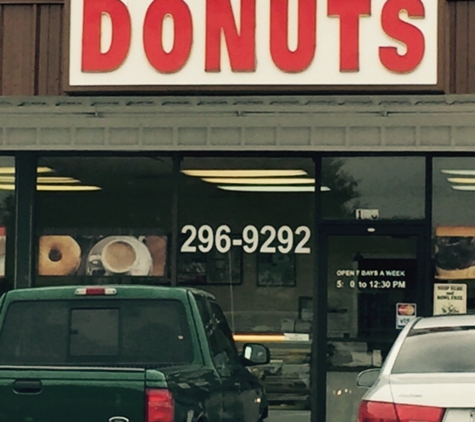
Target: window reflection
x,y
388,187
453,191
246,236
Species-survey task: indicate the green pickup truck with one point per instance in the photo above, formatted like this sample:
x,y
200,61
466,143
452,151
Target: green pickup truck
x,y
123,354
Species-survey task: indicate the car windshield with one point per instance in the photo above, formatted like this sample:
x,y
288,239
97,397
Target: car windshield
x,y
435,350
96,332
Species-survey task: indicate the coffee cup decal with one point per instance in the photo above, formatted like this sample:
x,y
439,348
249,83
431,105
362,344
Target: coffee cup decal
x,y
119,257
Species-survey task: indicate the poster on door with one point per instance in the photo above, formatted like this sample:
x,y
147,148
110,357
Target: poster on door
x,y
450,298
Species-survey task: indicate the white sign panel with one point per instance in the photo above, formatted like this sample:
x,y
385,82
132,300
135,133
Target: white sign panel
x,y
450,299
367,214
296,337
253,42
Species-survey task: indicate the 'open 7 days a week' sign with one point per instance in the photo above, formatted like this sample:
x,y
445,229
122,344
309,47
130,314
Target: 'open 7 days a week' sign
x,y
253,42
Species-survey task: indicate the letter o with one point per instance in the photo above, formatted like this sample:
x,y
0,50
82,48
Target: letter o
x,y
174,60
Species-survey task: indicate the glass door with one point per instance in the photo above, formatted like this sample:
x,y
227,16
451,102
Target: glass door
x,y
374,279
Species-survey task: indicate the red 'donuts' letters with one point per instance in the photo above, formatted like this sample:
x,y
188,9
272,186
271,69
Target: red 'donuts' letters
x,y
302,57
349,13
93,60
403,32
173,61
239,35
241,44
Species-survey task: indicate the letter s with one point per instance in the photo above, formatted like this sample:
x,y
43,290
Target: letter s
x,y
403,32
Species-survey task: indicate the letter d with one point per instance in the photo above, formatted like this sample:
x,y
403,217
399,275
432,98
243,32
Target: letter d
x,y
93,60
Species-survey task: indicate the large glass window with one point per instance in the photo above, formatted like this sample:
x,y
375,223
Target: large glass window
x,y
373,188
246,227
104,219
454,234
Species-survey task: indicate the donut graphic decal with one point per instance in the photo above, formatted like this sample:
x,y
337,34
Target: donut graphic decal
x,y
455,253
58,255
103,255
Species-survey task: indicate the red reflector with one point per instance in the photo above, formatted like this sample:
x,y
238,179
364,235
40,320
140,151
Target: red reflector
x,y
95,291
373,411
160,406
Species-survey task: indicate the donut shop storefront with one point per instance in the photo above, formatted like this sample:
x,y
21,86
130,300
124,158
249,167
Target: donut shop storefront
x,y
289,157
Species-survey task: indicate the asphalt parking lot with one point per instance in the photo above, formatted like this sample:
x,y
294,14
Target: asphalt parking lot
x,y
289,416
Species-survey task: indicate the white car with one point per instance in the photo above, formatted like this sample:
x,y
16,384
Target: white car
x,y
428,376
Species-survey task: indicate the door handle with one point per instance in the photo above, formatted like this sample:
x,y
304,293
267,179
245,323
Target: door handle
x,y
26,386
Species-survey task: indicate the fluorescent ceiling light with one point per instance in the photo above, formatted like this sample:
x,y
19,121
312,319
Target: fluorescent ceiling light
x,y
466,188
271,188
55,188
467,181
66,188
42,179
255,338
56,179
44,170
244,173
11,170
262,181
7,170
459,172
7,179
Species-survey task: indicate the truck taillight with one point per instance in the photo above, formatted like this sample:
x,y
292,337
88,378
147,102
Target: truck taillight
x,y
160,406
373,411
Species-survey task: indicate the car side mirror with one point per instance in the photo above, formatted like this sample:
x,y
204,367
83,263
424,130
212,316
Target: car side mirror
x,y
255,354
367,379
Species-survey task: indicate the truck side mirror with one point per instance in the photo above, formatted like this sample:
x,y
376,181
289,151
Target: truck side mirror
x,y
255,354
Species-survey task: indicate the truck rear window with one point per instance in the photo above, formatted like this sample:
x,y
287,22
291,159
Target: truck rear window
x,y
122,333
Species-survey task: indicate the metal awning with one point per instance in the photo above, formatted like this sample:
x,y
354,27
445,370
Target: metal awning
x,y
237,123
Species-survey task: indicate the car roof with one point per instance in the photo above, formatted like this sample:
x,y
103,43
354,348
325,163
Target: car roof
x,y
445,321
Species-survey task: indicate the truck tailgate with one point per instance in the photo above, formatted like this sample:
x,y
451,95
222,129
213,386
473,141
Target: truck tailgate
x,y
71,394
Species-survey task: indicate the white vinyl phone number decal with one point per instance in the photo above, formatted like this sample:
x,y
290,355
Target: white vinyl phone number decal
x,y
251,240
